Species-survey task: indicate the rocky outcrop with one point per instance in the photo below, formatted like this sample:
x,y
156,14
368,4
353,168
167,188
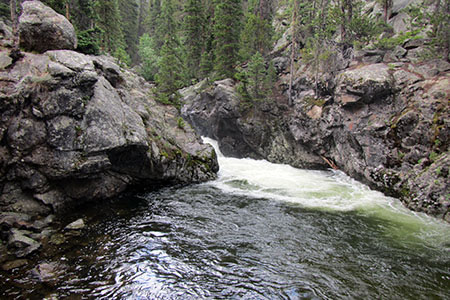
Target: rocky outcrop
x,y
42,29
216,111
77,129
384,124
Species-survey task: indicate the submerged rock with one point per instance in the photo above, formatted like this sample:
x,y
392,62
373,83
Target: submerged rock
x,y
11,265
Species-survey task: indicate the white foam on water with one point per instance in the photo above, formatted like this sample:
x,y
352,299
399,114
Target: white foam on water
x,y
322,190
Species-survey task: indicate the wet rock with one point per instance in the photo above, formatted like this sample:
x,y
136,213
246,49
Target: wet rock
x,y
48,272
22,243
11,265
76,225
12,219
40,23
79,128
57,239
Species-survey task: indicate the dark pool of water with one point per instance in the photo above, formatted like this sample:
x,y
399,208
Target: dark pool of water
x,y
198,242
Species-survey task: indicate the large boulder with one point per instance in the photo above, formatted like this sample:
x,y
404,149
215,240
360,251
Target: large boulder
x,y
77,128
42,29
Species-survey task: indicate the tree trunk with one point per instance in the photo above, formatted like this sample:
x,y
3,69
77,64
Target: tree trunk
x,y
67,10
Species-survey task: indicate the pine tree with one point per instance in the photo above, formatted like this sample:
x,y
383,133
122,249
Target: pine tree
x,y
109,22
170,75
129,11
256,36
194,38
256,76
226,36
152,24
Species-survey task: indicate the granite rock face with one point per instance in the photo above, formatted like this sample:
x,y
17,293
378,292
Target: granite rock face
x,y
386,125
77,128
42,29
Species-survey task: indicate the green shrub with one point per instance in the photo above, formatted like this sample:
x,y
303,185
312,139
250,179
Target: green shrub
x,y
88,41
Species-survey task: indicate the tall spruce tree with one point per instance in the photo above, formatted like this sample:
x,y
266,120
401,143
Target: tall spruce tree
x,y
129,12
170,75
226,36
193,24
109,22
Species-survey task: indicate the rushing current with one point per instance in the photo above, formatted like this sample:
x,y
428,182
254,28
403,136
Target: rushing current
x,y
260,231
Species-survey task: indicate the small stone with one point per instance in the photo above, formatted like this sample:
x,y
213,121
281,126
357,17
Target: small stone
x,y
11,265
47,272
77,225
57,239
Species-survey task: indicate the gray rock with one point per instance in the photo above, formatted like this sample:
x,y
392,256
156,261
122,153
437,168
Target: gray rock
x,y
24,244
399,52
11,265
24,133
280,63
5,60
48,272
76,225
42,29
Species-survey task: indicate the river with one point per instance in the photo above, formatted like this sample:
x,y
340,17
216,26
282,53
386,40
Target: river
x,y
260,231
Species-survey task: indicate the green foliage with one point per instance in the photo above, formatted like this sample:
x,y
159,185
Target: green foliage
x,y
88,41
433,156
435,23
193,24
171,75
149,59
129,10
109,21
398,40
5,11
226,32
256,36
256,83
256,74
180,123
122,56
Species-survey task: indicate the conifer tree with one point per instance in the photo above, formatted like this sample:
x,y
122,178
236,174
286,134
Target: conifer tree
x,y
256,76
170,75
194,38
226,36
109,22
256,36
129,11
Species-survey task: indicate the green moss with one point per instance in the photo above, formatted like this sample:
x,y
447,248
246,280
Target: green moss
x,y
180,122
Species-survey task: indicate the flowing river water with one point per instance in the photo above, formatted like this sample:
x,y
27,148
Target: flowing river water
x,y
260,231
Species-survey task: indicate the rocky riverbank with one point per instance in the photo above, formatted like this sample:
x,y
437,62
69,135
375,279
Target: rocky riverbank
x,y
76,129
385,124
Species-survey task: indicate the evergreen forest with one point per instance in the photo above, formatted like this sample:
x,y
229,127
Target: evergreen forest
x,y
175,43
